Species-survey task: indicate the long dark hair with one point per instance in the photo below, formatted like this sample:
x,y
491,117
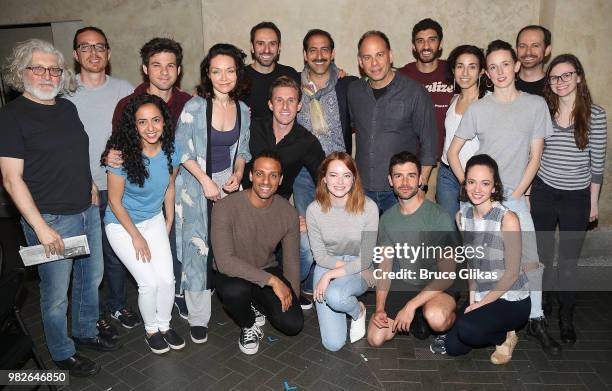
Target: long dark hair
x,y
125,138
581,113
487,161
452,61
205,89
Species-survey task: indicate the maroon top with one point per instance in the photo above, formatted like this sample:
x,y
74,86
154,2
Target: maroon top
x,y
440,91
175,104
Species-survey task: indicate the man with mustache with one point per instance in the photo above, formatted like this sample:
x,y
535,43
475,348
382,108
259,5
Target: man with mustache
x,y
95,100
44,162
533,46
326,115
247,227
265,50
430,70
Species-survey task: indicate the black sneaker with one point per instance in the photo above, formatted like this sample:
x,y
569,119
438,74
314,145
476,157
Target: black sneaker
x,y
438,344
98,343
199,334
305,302
181,306
175,341
128,319
79,366
106,330
157,343
249,339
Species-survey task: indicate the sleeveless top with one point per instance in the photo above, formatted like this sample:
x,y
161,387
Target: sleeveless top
x,y
487,234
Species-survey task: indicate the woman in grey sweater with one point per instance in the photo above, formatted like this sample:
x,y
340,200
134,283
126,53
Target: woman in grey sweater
x,y
336,220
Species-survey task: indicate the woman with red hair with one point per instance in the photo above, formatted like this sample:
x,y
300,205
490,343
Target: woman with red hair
x,y
343,270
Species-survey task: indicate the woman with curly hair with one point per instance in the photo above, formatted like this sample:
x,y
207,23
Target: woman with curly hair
x,y
135,224
566,189
213,136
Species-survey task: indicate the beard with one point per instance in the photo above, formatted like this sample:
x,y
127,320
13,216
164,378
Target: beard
x,y
39,93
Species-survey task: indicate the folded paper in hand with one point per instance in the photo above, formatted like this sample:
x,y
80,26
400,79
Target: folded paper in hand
x,y
75,246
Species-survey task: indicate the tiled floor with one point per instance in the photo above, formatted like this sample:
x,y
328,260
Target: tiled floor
x,y
301,362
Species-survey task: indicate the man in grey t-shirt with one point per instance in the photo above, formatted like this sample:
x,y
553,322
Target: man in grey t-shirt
x,y
95,100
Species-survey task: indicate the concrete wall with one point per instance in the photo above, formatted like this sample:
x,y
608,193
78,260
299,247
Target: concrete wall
x,y
127,24
581,27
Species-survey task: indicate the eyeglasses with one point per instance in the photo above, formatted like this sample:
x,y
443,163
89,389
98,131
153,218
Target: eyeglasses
x,y
40,71
567,76
86,47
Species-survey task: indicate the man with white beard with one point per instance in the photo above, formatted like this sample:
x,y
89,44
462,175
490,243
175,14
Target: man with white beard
x,y
44,160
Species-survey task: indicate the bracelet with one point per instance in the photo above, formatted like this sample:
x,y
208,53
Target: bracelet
x,y
527,195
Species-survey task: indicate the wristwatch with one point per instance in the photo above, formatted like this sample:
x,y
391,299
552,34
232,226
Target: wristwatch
x,y
424,188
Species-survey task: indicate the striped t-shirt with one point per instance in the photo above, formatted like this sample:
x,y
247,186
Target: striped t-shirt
x,y
566,167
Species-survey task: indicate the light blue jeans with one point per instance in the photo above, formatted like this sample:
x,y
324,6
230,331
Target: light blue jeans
x,y
529,250
340,299
303,195
447,190
55,278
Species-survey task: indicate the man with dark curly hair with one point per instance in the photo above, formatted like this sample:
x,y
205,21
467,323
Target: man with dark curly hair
x,y
161,67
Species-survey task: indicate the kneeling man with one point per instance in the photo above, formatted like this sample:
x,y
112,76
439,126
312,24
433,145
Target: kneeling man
x,y
405,301
246,229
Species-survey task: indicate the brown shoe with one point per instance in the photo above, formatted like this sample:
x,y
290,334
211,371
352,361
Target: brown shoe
x,y
503,352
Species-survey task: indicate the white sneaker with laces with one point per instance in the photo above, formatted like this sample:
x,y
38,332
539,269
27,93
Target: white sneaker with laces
x,y
260,319
248,342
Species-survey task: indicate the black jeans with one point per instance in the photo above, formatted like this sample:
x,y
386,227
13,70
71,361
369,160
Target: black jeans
x,y
238,294
570,210
486,326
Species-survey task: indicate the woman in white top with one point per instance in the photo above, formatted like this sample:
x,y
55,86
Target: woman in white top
x,y
465,67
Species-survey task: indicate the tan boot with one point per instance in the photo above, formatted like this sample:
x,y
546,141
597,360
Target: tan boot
x,y
503,352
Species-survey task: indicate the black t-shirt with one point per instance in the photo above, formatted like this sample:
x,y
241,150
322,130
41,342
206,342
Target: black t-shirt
x,y
260,84
51,141
531,87
299,148
378,92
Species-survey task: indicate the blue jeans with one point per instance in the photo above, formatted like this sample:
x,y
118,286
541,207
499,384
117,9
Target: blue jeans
x,y
447,190
115,273
55,280
340,300
303,195
384,199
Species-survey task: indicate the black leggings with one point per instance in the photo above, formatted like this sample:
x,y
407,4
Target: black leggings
x,y
238,294
570,209
486,326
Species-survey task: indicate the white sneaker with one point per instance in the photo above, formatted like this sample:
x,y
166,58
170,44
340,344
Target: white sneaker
x,y
260,319
248,342
358,327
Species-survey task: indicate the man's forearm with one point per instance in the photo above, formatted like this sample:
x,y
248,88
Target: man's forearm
x,y
425,173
